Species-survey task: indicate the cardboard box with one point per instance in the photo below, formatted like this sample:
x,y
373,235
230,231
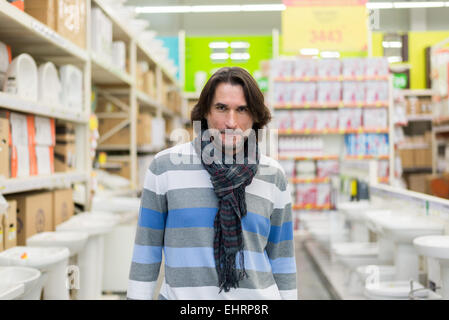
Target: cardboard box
x,y
423,158
45,160
10,226
439,186
23,161
42,10
123,137
4,145
63,207
407,158
71,20
149,83
34,214
123,169
144,129
419,182
64,157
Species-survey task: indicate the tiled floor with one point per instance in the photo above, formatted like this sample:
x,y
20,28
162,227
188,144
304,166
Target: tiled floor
x,y
309,284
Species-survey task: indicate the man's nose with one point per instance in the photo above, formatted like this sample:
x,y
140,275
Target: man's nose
x,y
231,120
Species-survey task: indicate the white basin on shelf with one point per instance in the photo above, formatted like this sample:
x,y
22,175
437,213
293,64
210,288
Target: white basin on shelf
x,y
13,276
436,247
52,262
74,241
11,291
393,290
404,229
116,204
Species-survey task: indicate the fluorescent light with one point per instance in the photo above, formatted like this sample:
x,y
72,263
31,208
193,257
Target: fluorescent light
x,y
393,59
217,8
430,4
309,51
392,44
219,56
218,45
330,54
163,9
239,45
263,7
240,56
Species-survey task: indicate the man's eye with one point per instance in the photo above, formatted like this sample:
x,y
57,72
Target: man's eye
x,y
242,109
220,107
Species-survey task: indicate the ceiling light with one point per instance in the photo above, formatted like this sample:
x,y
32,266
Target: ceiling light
x,y
211,8
393,59
411,4
218,45
330,54
239,45
379,5
163,9
309,51
392,44
240,56
217,8
263,7
219,56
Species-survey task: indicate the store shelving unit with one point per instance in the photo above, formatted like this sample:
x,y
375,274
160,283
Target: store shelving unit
x,y
334,145
25,34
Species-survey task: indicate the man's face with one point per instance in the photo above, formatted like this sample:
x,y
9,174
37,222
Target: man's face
x,y
229,112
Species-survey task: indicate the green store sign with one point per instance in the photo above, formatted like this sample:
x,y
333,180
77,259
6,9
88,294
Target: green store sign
x,y
400,80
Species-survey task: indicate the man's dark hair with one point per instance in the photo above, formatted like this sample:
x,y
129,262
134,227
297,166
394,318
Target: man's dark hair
x,y
235,76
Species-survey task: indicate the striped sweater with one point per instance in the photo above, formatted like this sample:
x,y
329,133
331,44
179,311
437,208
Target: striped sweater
x,y
176,217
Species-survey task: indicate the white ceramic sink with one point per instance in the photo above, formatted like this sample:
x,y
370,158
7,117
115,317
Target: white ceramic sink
x,y
116,204
14,276
404,229
436,247
93,224
74,241
354,211
11,291
40,258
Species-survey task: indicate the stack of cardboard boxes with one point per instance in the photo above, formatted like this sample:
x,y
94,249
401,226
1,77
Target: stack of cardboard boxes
x,y
421,105
412,157
146,79
34,212
65,147
66,17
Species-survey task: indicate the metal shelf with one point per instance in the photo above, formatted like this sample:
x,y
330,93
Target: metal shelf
x,y
16,103
56,180
119,30
26,34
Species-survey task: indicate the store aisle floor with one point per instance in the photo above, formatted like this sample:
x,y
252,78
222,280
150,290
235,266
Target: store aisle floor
x,y
310,286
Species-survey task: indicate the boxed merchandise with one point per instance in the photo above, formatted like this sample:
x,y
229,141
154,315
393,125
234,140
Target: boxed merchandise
x,y
142,67
123,168
419,182
383,168
23,161
289,167
353,92
306,194
101,35
144,128
376,67
63,206
42,10
327,168
119,55
65,133
407,158
375,118
323,197
44,129
353,67
44,160
144,125
282,93
305,166
10,225
34,214
149,83
305,68
329,67
71,20
423,157
18,4
376,91
22,129
4,145
64,157
303,93
328,92
282,68
284,119
349,118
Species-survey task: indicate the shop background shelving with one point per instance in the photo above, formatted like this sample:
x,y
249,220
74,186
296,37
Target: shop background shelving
x,y
25,34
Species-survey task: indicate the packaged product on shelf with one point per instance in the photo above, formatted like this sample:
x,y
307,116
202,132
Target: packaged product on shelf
x,y
305,120
303,93
289,167
63,206
327,168
332,119
323,197
306,194
34,214
305,68
353,92
149,83
10,225
376,67
101,39
413,106
17,3
329,67
141,68
119,55
4,145
64,152
42,10
22,78
305,166
5,60
322,120
383,168
282,93
328,92
49,84
23,161
375,118
284,119
71,87
22,129
361,144
353,67
376,91
71,21
349,118
44,129
144,121
282,68
44,160
377,144
158,131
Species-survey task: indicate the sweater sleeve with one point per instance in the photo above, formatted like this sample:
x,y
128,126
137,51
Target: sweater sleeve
x,y
149,241
280,247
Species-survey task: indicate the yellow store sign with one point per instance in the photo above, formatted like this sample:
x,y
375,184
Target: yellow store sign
x,y
337,25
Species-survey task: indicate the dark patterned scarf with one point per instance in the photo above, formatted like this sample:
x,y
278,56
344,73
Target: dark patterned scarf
x,y
229,182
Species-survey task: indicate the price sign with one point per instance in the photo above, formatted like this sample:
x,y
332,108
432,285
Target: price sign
x,y
338,25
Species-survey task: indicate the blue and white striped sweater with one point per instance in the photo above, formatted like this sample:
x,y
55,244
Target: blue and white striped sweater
x,y
176,217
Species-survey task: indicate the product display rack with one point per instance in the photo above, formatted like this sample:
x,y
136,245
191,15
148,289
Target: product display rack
x,y
25,34
335,133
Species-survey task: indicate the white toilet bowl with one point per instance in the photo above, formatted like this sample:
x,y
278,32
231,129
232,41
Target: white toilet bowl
x,y
21,77
50,261
74,241
14,276
396,290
